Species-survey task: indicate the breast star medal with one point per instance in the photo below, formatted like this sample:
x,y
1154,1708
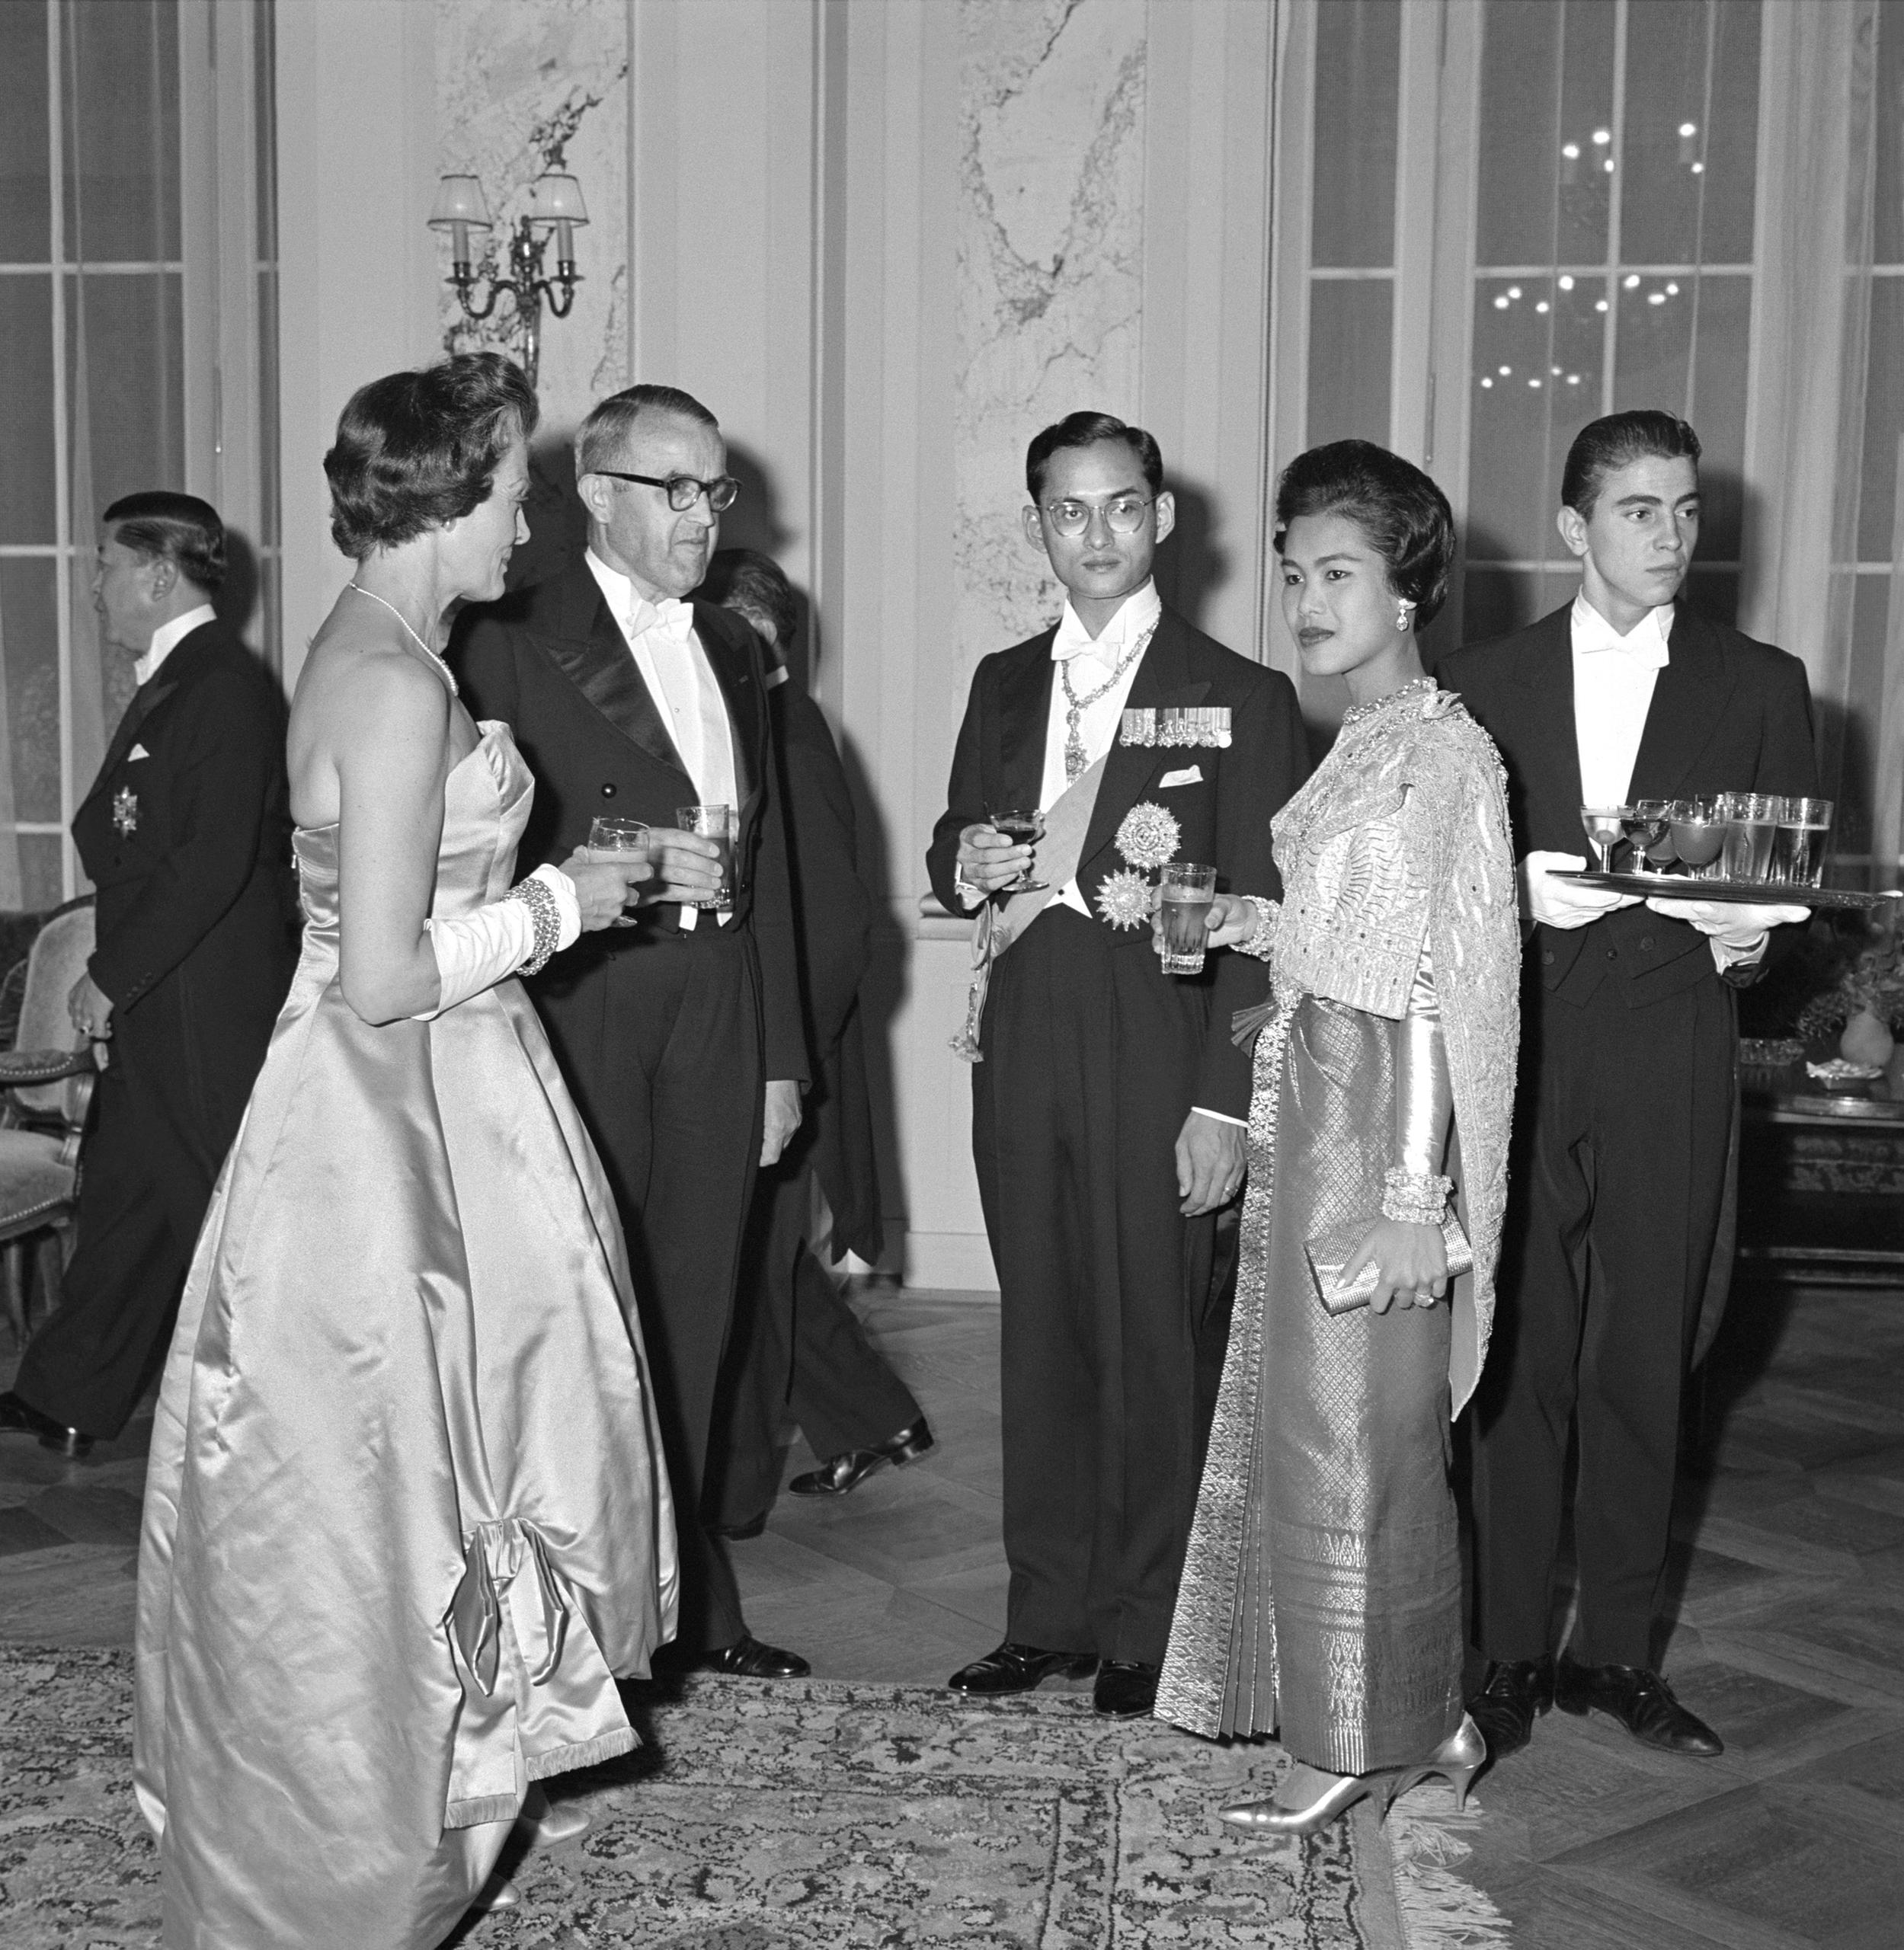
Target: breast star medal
x,y
125,812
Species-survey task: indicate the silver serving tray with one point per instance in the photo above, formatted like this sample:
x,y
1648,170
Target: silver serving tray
x,y
1682,887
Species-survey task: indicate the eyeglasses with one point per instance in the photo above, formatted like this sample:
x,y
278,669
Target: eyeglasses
x,y
1124,515
684,489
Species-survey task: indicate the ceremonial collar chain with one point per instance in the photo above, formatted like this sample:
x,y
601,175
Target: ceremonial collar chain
x,y
1075,707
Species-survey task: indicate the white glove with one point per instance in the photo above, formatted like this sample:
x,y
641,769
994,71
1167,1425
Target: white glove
x,y
475,951
1564,903
1736,929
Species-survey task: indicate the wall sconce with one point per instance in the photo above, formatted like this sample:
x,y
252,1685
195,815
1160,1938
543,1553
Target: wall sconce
x,y
555,203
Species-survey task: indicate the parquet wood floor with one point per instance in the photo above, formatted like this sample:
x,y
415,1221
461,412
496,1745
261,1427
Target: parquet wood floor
x,y
1789,1634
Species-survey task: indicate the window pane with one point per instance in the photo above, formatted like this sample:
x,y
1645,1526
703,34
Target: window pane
x,y
123,56
26,409
1350,321
1888,240
30,621
1537,349
40,884
1690,134
1858,780
1358,74
1547,87
25,212
1723,339
134,394
1883,422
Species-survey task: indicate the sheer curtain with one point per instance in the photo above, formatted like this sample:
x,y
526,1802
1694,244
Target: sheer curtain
x,y
1806,471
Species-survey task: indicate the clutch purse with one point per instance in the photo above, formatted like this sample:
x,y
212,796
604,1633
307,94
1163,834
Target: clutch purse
x,y
1329,1256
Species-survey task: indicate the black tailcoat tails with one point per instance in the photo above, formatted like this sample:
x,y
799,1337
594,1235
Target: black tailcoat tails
x,y
186,835
1620,1161
665,1036
800,1347
1093,1057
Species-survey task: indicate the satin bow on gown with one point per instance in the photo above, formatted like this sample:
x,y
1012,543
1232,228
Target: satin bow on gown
x,y
405,1514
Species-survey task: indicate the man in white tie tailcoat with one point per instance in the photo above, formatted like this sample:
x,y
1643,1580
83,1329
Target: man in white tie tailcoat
x,y
681,1034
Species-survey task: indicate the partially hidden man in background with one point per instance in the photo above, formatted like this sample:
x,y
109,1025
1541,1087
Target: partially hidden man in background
x,y
1109,1101
186,835
680,1034
1623,1131
799,1348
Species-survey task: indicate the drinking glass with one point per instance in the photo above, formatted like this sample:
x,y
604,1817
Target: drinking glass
x,y
1648,833
608,837
1752,819
714,823
1698,836
1798,846
1028,827
1605,826
1186,892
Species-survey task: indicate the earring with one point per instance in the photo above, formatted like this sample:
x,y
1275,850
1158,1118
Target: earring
x,y
1401,615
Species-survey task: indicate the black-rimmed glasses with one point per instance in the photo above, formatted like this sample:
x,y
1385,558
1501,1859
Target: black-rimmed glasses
x,y
1123,514
683,490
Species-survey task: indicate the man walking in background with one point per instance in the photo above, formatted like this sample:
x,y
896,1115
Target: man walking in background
x,y
1108,1101
186,835
681,1034
799,1347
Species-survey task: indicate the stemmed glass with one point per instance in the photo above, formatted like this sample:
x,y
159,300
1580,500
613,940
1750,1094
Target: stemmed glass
x,y
1029,828
1605,827
1646,832
1698,833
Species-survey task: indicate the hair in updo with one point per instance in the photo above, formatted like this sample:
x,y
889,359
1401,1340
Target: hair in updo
x,y
1404,515
1603,447
416,450
158,524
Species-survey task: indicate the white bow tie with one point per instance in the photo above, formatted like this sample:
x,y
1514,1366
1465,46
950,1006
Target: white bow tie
x,y
1071,641
1643,649
672,619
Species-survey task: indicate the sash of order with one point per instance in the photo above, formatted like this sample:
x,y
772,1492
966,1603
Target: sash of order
x,y
994,928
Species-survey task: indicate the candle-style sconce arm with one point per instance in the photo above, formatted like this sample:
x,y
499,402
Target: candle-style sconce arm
x,y
556,205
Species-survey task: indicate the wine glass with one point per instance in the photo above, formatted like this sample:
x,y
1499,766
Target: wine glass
x,y
1605,827
1028,828
1647,831
1698,833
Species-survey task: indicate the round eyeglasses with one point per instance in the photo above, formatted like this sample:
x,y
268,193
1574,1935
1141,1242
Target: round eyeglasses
x,y
1123,514
684,489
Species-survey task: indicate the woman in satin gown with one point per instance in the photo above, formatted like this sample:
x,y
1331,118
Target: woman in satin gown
x,y
1321,1593
405,1514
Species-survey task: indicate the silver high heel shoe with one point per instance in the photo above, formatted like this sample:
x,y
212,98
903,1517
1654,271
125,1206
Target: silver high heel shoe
x,y
1270,1817
1457,1759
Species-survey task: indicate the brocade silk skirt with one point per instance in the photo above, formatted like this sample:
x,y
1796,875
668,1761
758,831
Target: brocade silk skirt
x,y
1321,1594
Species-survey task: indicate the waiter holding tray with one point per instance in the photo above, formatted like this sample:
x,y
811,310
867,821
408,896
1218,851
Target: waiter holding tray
x,y
1623,1128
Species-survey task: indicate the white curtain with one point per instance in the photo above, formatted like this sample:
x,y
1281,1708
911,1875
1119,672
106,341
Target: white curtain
x,y
1805,459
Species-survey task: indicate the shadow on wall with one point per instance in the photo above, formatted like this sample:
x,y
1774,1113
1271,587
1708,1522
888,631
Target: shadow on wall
x,y
1193,564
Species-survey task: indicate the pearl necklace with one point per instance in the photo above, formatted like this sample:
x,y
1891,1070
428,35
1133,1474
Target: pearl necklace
x,y
435,656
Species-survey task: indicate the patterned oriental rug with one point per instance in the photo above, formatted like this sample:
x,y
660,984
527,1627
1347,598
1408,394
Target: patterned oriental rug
x,y
807,1816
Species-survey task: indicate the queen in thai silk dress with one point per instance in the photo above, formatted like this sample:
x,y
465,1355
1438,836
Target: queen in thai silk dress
x,y
1321,1593
406,1517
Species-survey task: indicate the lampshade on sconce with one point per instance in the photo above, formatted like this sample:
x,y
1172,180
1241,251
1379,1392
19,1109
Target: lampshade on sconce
x,y
558,200
460,208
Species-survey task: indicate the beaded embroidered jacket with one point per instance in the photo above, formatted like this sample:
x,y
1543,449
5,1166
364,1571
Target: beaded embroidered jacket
x,y
1399,842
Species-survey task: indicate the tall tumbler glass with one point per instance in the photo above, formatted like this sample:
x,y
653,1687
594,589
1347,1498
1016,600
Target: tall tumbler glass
x,y
714,823
1752,821
1186,894
1798,847
609,838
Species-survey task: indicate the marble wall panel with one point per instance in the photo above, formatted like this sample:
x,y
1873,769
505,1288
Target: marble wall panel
x,y
1050,283
524,86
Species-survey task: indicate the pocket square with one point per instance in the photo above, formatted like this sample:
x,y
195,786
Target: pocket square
x,y
137,752
1191,775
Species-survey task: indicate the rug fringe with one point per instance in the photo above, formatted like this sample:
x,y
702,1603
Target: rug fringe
x,y
1439,1911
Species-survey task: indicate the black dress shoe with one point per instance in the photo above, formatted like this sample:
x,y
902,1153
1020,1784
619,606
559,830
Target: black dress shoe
x,y
1515,1692
750,1659
839,1474
1126,1689
1641,1701
751,1528
22,1418
1010,1668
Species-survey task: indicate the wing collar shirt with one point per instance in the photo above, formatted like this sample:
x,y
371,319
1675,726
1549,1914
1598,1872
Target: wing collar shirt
x,y
169,636
680,679
1090,662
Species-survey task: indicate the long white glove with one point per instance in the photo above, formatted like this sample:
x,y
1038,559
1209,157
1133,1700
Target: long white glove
x,y
1736,929
1564,903
475,951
